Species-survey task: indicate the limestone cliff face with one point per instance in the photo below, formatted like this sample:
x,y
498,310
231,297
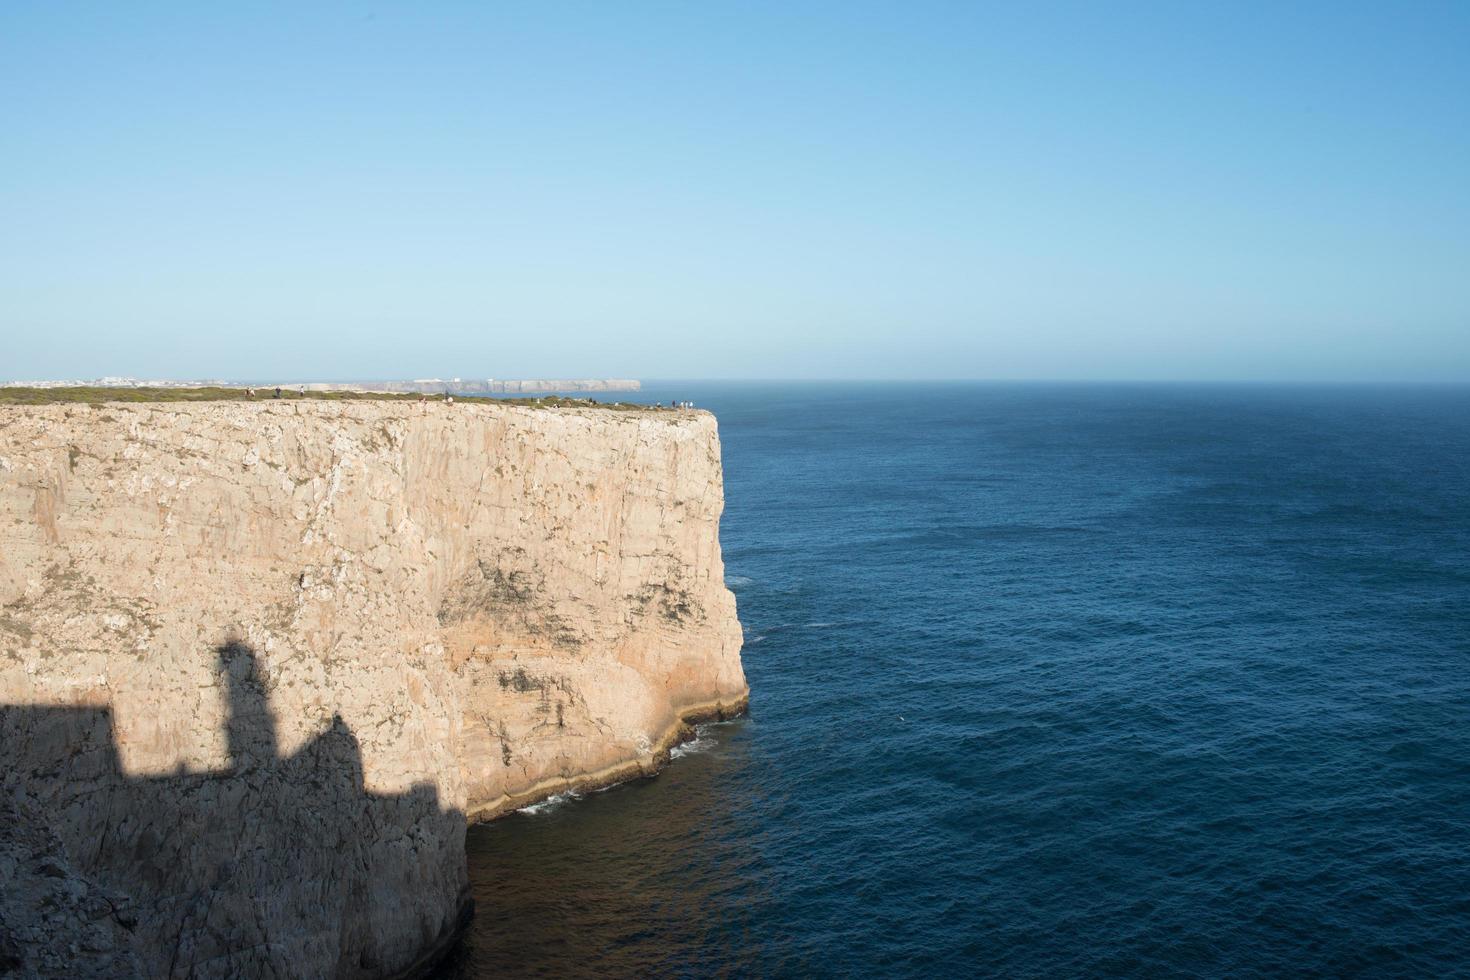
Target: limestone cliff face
x,y
260,661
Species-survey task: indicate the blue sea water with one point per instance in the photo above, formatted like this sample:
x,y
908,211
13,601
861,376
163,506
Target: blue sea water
x,y
1049,680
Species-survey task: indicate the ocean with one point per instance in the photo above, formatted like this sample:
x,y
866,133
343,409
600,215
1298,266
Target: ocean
x,y
1048,680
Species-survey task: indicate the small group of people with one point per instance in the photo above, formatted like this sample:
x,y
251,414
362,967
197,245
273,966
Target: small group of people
x,y
250,392
676,405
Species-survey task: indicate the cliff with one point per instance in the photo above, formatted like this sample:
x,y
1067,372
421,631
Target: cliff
x,y
260,661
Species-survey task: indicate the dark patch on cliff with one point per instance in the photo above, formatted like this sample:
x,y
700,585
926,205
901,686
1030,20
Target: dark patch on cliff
x,y
510,593
668,600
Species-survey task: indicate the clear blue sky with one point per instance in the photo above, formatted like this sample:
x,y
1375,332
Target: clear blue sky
x,y
910,190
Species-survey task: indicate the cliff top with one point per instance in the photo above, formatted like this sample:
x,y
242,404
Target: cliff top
x,y
431,386
97,395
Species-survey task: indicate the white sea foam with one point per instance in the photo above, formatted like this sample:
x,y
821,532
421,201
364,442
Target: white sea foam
x,y
550,803
752,641
737,581
702,741
699,744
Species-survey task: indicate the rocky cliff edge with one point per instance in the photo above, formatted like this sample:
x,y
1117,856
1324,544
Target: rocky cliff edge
x,y
260,662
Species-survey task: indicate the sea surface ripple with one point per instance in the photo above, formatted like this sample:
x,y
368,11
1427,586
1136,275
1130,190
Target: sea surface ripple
x,y
1049,680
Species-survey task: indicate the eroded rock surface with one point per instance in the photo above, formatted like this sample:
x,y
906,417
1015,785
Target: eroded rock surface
x,y
259,662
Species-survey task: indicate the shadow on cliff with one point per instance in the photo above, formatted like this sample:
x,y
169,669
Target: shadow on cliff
x,y
276,865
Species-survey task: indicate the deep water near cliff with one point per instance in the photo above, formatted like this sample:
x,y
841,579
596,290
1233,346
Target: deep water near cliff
x,y
1049,680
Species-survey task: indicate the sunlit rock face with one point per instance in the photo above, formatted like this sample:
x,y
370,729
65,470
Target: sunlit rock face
x,y
259,662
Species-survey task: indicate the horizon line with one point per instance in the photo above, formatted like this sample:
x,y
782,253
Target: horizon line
x,y
202,381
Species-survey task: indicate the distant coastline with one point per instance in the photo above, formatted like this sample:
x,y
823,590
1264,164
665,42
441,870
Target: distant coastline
x,y
486,386
473,386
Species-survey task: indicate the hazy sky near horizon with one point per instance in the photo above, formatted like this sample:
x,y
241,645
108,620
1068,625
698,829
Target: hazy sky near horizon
x,y
906,190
